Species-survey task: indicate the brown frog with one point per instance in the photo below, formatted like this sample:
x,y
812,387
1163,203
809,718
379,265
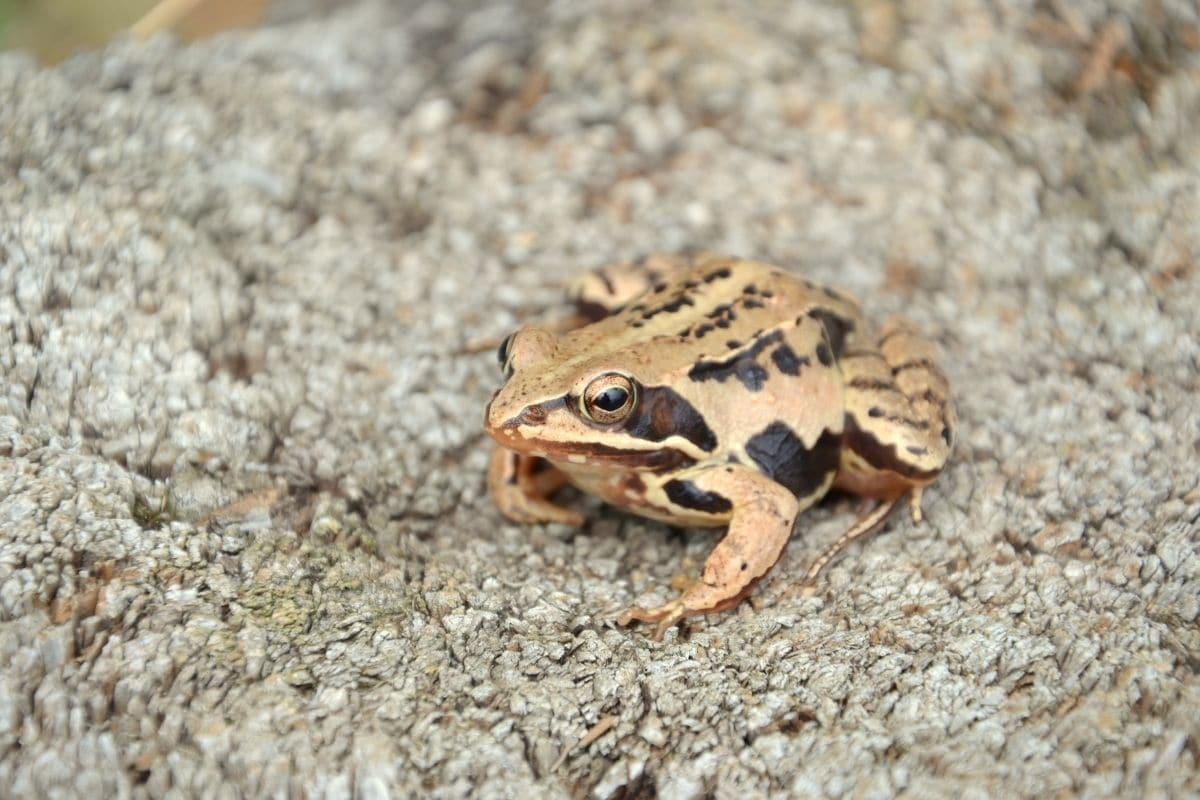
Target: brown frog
x,y
717,391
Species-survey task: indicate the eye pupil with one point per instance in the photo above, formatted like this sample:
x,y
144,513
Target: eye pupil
x,y
611,398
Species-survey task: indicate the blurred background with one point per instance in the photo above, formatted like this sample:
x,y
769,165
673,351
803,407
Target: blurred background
x,y
53,29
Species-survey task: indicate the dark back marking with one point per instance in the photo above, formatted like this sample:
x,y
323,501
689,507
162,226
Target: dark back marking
x,y
742,365
787,361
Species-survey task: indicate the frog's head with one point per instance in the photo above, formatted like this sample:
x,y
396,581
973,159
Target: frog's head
x,y
563,403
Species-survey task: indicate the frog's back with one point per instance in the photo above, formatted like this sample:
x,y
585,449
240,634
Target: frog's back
x,y
720,310
750,347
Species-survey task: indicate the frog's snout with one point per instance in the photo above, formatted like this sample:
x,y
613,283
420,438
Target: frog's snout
x,y
492,420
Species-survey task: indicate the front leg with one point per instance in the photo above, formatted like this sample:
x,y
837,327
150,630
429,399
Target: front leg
x,y
519,485
761,519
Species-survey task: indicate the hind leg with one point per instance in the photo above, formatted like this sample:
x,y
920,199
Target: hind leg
x,y
899,417
899,426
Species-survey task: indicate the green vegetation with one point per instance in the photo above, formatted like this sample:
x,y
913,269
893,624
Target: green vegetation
x,y
54,29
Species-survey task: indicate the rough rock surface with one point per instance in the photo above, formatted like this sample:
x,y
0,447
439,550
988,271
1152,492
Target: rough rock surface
x,y
244,542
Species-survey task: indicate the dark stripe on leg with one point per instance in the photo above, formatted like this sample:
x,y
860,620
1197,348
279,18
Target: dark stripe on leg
x,y
686,494
873,385
920,363
879,455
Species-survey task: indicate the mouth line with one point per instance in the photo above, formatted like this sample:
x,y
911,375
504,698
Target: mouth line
x,y
654,459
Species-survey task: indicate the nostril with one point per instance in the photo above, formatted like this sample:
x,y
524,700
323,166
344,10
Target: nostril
x,y
531,415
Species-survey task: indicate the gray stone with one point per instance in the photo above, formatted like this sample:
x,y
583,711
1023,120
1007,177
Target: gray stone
x,y
245,548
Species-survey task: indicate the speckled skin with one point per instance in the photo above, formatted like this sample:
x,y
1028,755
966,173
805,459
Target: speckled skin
x,y
750,393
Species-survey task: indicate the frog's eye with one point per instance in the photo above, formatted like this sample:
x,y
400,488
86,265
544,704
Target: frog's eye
x,y
608,399
502,354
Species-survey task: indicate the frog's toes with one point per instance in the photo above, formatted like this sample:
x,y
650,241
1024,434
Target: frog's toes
x,y
548,512
914,503
665,615
527,510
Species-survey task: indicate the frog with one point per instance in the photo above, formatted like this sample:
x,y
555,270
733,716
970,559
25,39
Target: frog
x,y
705,390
